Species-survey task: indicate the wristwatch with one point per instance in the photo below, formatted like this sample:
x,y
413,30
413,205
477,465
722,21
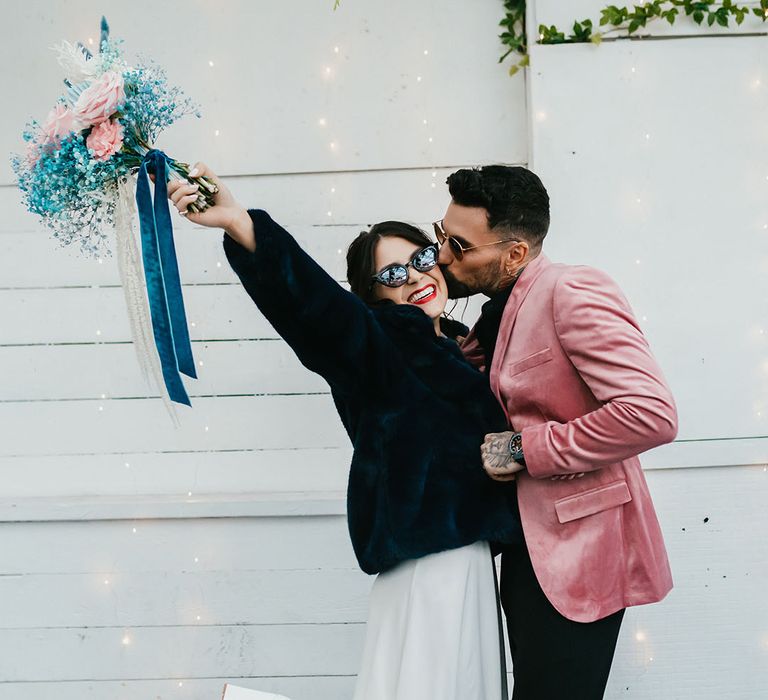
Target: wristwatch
x,y
516,448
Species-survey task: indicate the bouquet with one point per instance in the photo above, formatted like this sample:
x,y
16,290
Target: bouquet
x,y
79,173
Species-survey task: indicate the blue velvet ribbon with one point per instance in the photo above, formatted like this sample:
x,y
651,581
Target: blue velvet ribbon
x,y
161,270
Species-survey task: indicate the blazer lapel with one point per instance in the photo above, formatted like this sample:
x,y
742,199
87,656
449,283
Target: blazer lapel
x,y
515,301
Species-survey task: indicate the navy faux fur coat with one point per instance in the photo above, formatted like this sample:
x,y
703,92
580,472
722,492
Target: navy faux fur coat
x,y
415,410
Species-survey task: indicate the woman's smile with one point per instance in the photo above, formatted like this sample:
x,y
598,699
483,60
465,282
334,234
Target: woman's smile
x,y
423,295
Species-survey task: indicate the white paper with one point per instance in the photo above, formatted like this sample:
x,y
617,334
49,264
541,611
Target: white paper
x,y
235,692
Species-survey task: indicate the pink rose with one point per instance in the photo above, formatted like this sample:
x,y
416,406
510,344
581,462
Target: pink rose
x,y
101,99
60,122
105,140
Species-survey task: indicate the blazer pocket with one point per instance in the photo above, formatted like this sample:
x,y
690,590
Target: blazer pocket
x,y
593,501
538,358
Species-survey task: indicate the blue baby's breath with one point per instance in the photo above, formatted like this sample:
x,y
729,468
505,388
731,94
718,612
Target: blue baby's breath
x,y
61,181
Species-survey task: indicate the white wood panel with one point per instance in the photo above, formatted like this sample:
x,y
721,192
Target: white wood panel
x,y
71,315
264,422
295,688
200,254
676,216
174,473
156,652
111,547
374,93
261,504
228,367
564,14
194,599
353,198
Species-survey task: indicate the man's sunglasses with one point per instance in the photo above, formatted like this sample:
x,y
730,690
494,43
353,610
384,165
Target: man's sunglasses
x,y
396,275
457,248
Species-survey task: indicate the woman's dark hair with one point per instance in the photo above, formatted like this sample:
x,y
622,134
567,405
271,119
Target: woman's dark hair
x,y
361,254
514,197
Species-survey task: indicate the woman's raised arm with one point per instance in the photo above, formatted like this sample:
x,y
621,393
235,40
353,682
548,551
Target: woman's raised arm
x,y
332,331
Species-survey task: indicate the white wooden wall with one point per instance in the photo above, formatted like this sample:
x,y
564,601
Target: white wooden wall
x,y
138,561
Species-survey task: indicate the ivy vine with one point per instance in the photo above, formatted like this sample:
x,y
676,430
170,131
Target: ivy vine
x,y
624,21
617,22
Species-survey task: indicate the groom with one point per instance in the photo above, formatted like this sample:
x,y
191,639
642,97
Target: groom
x,y
583,396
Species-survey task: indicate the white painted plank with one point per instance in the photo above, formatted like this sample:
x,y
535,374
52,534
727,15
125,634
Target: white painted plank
x,y
194,599
175,473
267,111
142,425
354,198
155,652
296,688
263,504
220,544
74,315
200,255
225,368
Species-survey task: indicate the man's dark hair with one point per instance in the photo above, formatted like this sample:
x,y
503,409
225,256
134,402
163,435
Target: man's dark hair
x,y
514,197
361,254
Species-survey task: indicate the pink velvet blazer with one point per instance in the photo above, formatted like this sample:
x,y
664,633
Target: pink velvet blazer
x,y
576,376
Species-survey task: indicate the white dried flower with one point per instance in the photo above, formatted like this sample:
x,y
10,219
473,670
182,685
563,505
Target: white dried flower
x,y
78,67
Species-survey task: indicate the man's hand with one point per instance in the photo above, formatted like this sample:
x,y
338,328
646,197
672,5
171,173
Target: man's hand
x,y
497,460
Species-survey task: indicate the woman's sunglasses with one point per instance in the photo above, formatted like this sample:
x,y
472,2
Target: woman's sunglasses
x,y
396,275
457,248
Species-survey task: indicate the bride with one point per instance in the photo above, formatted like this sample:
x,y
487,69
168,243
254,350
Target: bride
x,y
421,510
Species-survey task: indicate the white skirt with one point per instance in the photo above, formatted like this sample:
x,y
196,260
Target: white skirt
x,y
433,630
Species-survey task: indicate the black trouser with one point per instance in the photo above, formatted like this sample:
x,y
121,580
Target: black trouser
x,y
553,658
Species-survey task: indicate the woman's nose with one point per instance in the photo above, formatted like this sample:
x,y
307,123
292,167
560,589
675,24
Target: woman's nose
x,y
414,276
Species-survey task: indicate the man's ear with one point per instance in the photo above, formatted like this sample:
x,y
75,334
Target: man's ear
x,y
517,254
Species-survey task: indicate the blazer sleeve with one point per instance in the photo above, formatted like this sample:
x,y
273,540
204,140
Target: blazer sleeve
x,y
332,331
600,335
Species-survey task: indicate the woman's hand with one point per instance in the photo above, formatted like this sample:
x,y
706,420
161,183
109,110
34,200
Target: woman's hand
x,y
497,459
226,212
